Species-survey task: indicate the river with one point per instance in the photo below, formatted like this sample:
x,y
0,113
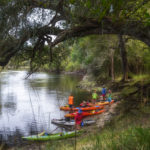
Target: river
x,y
28,105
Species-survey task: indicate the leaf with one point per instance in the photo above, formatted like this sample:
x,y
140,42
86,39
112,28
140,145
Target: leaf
x,y
89,4
147,15
72,1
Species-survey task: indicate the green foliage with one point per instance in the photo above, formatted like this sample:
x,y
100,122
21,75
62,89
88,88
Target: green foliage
x,y
92,9
41,59
98,9
138,57
60,53
128,90
92,53
4,2
129,139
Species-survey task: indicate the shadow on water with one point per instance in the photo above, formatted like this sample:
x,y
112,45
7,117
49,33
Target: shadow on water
x,y
27,106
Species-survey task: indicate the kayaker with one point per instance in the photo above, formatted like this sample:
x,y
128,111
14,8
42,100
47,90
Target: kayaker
x,y
94,97
104,93
78,119
84,104
70,101
109,96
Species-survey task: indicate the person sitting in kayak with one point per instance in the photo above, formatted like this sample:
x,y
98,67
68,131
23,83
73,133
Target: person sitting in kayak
x,y
94,97
84,104
70,101
104,92
78,119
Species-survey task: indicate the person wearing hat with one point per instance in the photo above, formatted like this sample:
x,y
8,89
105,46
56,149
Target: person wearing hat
x,y
78,119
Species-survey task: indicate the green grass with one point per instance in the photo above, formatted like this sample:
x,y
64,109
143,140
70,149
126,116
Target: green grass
x,y
140,77
135,138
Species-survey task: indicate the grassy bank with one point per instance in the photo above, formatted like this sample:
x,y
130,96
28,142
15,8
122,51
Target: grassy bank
x,y
128,130
125,132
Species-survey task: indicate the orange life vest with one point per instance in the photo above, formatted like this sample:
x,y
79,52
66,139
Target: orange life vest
x,y
70,100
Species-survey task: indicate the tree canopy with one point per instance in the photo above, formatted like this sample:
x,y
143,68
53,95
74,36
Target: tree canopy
x,y
36,22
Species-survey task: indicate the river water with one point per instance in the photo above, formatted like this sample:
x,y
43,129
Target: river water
x,y
28,105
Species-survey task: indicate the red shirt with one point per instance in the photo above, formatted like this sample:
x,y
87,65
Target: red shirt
x,y
78,118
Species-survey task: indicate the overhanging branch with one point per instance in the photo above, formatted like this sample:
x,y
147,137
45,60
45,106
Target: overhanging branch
x,y
125,27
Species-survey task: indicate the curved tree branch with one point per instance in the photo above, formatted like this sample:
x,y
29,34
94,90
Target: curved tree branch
x,y
83,27
109,27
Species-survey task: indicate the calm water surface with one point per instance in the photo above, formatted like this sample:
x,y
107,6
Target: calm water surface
x,y
27,106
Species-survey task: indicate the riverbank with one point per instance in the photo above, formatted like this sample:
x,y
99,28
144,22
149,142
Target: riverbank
x,y
124,132
125,125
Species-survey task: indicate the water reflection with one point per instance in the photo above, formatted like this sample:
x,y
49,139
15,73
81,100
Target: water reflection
x,y
29,105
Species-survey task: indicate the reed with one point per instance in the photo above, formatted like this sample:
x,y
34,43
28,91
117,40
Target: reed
x,y
135,138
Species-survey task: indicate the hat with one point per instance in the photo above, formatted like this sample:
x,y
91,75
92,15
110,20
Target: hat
x,y
79,111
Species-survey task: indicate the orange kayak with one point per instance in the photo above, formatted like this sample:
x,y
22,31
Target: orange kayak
x,y
84,114
67,108
104,103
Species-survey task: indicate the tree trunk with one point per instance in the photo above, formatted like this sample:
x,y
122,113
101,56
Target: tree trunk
x,y
58,69
123,54
112,65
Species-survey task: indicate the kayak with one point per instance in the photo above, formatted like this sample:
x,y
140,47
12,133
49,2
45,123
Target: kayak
x,y
85,114
99,105
57,136
67,108
63,122
104,103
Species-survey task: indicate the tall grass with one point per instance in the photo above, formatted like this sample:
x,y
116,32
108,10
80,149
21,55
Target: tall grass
x,y
135,138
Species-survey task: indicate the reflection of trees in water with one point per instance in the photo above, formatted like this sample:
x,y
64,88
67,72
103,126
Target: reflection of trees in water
x,y
11,107
7,95
11,138
62,86
63,83
0,97
10,104
56,82
0,109
33,128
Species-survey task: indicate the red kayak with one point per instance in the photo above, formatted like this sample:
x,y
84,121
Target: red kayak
x,y
72,115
